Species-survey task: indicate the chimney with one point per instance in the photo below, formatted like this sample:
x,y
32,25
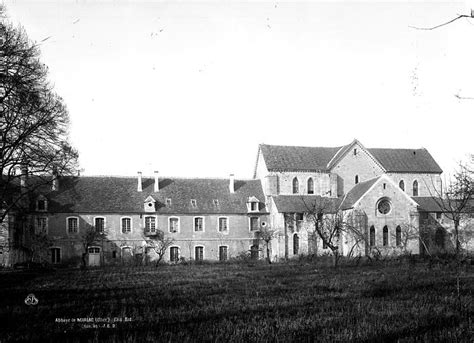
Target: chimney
x,y
54,184
139,186
23,176
231,183
157,185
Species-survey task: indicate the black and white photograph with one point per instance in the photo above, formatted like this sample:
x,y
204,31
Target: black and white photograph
x,y
236,171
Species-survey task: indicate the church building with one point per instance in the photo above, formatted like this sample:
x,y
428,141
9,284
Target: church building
x,y
391,190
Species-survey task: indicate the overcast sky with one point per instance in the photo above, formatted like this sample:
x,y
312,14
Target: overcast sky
x,y
191,89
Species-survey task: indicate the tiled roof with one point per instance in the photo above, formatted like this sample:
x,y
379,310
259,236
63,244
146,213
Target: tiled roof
x,y
406,160
356,193
120,195
297,158
302,203
430,204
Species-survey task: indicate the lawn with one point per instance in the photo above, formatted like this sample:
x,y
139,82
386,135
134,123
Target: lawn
x,y
296,301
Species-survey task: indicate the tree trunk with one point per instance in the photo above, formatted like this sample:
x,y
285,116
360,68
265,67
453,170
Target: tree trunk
x,y
456,236
268,254
335,253
286,241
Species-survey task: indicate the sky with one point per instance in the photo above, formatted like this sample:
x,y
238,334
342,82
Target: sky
x,y
192,88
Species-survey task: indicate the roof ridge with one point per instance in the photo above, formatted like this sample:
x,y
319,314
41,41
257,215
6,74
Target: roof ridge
x,y
303,146
161,177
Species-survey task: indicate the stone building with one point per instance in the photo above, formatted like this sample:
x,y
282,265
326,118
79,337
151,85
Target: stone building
x,y
389,191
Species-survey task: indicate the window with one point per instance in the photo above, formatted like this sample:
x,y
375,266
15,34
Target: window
x,y
223,253
168,202
93,250
99,224
398,236
438,215
198,224
401,184
216,203
355,152
385,236
372,236
42,225
173,225
384,185
356,179
223,224
114,254
415,188
55,255
174,254
299,220
198,253
193,203
296,244
150,224
384,206
72,225
254,206
296,186
253,223
41,205
310,186
126,225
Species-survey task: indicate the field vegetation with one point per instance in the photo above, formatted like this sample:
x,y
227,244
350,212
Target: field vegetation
x,y
302,300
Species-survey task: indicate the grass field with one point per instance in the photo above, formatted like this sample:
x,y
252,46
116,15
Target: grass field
x,y
240,302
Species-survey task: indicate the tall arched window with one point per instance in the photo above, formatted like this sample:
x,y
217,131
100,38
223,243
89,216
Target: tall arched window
x,y
296,244
356,181
398,236
385,236
310,186
372,236
415,188
296,186
401,184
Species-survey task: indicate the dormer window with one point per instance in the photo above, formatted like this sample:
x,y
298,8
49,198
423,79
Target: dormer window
x,y
41,204
253,204
168,202
355,152
193,203
215,202
149,204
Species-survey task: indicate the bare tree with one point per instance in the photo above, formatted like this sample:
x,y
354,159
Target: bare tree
x,y
266,235
457,201
33,121
159,244
460,16
38,246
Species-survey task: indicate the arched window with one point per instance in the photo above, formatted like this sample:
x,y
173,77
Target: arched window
x,y
415,188
356,179
296,244
401,184
310,186
398,236
385,236
372,236
296,186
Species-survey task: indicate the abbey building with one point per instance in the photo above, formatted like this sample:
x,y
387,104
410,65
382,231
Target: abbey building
x,y
391,190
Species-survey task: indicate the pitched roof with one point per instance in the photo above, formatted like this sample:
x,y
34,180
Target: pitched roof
x,y
119,195
357,192
406,160
431,204
301,203
297,158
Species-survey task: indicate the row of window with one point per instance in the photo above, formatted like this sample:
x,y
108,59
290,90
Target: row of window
x,y
385,236
309,186
174,253
150,224
199,253
401,184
